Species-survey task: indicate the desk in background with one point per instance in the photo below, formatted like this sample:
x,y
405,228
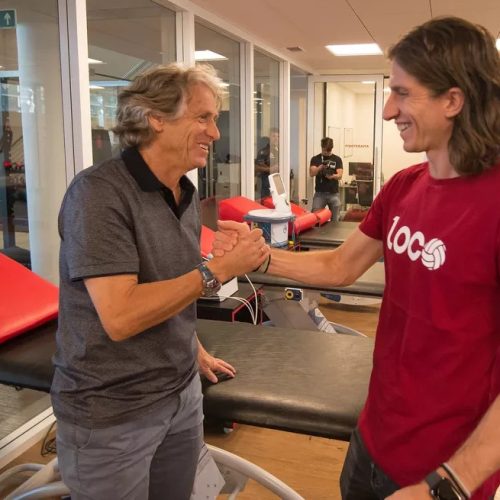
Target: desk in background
x,y
231,309
332,234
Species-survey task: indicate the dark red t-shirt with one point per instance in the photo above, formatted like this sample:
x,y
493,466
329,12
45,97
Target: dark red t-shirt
x,y
436,346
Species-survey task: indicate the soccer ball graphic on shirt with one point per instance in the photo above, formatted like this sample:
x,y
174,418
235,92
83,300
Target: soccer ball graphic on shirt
x,y
434,254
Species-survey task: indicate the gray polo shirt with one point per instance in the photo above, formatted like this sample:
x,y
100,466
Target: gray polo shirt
x,y
118,218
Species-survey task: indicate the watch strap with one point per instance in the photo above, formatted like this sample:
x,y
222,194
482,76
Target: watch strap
x,y
211,285
441,488
433,479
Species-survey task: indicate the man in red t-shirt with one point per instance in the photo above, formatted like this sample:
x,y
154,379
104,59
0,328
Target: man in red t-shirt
x,y
430,427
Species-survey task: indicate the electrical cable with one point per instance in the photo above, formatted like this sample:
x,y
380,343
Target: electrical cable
x,y
256,298
48,445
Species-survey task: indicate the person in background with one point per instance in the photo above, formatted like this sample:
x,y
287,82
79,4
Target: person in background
x,y
327,168
430,427
267,162
126,389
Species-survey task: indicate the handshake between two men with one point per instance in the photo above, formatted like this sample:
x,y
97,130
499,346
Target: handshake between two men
x,y
238,250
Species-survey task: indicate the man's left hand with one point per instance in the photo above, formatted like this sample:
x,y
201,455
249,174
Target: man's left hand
x,y
209,366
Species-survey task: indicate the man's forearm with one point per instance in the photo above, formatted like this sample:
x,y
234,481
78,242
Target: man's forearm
x,y
320,267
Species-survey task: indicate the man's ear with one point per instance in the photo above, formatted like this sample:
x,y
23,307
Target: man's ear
x,y
454,102
156,122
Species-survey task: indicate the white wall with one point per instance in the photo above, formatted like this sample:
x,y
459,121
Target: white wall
x,y
394,157
350,123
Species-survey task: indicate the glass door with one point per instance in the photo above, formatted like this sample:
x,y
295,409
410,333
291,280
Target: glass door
x,y
348,109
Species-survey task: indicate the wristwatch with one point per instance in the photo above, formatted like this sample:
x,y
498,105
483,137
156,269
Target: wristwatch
x,y
442,488
211,285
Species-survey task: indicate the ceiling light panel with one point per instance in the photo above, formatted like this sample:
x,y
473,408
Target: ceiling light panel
x,y
357,49
208,55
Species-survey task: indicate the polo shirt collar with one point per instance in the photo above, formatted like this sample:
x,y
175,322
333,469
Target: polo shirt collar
x,y
148,181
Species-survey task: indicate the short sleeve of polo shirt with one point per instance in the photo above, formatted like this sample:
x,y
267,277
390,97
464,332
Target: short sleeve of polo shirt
x,y
96,230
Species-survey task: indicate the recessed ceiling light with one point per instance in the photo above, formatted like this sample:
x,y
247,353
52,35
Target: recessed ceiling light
x,y
357,49
95,61
208,55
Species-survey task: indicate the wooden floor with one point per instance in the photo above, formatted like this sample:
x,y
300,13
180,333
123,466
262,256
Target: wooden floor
x,y
310,465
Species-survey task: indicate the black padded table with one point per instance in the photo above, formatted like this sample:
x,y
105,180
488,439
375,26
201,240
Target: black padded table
x,y
294,380
300,381
331,234
370,284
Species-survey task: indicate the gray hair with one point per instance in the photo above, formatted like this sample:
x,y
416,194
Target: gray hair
x,y
161,91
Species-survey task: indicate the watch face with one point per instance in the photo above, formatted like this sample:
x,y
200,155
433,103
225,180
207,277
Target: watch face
x,y
211,285
445,491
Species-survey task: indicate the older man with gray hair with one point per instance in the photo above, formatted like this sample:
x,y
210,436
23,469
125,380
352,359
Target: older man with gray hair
x,y
126,389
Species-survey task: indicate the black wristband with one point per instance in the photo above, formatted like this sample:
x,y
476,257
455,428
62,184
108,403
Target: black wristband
x,y
267,264
264,269
455,480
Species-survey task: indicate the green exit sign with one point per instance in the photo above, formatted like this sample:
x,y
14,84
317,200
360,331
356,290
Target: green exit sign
x,y
7,18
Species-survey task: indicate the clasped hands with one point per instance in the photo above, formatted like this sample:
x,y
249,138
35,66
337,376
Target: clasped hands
x,y
242,250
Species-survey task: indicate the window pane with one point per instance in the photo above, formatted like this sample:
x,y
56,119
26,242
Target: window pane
x,y
32,161
32,168
266,112
298,134
222,176
123,41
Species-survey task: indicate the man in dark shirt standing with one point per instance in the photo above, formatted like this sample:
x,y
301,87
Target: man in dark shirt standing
x,y
327,168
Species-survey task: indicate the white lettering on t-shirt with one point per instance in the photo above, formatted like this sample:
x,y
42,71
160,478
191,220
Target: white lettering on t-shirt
x,y
432,254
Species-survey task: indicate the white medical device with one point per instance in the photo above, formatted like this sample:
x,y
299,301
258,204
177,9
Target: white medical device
x,y
278,193
274,221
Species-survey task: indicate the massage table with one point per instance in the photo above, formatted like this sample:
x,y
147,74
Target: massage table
x,y
299,381
331,234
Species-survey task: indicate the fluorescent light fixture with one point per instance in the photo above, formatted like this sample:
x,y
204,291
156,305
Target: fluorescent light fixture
x,y
368,82
208,55
95,61
498,43
110,83
358,49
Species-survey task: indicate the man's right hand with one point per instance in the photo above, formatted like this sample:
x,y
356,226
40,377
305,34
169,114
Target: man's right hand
x,y
237,250
227,236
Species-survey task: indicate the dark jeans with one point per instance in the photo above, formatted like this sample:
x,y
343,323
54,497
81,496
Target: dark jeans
x,y
361,478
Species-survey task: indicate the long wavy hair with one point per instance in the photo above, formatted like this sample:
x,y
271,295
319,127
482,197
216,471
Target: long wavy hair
x,y
451,52
161,91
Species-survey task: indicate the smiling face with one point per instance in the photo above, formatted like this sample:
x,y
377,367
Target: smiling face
x,y
425,122
186,141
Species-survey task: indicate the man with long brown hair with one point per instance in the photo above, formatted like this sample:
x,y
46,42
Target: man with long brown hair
x,y
430,427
